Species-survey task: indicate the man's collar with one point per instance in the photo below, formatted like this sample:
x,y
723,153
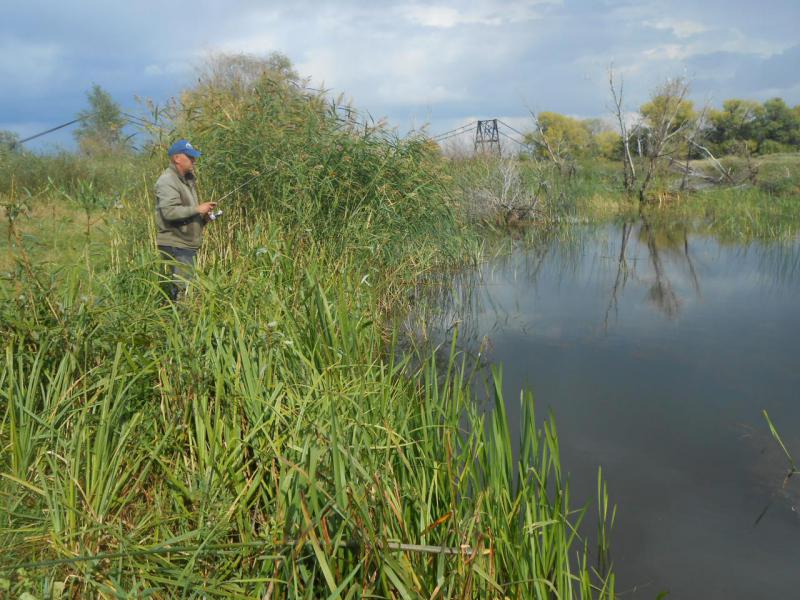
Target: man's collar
x,y
184,178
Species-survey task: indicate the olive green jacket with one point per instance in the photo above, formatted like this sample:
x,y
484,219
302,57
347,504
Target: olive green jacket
x,y
178,223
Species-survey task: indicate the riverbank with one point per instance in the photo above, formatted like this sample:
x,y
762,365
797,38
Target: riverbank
x,y
264,437
265,432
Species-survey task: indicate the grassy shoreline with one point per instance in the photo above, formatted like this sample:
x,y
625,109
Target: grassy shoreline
x,y
266,437
263,437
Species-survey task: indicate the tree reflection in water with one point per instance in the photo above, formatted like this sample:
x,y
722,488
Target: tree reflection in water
x,y
660,240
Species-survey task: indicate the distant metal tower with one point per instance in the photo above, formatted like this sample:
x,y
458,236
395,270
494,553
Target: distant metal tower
x,y
487,137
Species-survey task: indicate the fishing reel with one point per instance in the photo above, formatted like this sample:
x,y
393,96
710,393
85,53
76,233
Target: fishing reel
x,y
214,215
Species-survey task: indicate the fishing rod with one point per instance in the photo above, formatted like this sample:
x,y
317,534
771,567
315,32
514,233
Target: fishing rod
x,y
212,216
216,214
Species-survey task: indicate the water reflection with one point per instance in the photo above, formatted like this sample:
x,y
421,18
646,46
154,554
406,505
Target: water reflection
x,y
657,348
672,241
655,254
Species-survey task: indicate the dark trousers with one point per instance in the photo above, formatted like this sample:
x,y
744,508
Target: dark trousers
x,y
181,266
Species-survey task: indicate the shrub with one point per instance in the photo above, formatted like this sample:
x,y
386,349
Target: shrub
x,y
779,178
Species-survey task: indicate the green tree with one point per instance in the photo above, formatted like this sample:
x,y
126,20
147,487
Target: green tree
x,y
9,141
101,127
604,140
595,126
779,123
608,144
559,137
735,126
667,110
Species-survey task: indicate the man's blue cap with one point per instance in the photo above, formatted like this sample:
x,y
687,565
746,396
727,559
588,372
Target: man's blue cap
x,y
183,147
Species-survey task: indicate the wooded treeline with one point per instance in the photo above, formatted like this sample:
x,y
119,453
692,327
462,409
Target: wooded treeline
x,y
652,143
739,127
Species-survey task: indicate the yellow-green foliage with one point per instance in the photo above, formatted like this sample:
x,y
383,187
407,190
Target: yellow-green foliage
x,y
562,136
665,105
608,144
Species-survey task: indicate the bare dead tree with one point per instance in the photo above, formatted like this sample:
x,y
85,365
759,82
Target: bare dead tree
x,y
622,272
501,192
729,175
663,127
693,132
724,173
628,168
661,293
694,136
690,263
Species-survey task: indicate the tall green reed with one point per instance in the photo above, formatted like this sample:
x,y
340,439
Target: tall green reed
x,y
294,427
267,437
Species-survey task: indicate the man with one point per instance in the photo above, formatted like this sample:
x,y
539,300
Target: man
x,y
180,218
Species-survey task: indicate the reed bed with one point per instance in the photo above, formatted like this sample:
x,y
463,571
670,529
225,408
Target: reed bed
x,y
270,436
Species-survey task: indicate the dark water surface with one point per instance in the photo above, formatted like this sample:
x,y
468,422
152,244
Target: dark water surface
x,y
657,368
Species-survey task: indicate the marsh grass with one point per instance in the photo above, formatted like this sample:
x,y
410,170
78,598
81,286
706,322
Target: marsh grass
x,y
263,438
110,172
267,436
54,228
730,215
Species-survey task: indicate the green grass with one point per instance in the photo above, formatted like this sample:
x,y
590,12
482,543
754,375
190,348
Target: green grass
x,y
731,214
270,436
53,233
739,215
265,435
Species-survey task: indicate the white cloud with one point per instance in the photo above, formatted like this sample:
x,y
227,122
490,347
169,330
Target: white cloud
x,y
669,52
495,13
399,66
167,69
734,40
426,57
440,59
324,67
413,93
258,43
679,27
438,16
248,32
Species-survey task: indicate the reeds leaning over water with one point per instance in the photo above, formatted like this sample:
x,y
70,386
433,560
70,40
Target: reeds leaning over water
x,y
268,438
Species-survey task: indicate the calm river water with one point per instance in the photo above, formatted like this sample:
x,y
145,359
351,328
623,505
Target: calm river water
x,y
657,363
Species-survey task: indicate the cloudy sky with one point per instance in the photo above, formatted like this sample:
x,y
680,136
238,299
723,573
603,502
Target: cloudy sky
x,y
440,63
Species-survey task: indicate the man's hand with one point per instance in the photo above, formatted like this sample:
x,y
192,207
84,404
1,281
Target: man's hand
x,y
206,207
